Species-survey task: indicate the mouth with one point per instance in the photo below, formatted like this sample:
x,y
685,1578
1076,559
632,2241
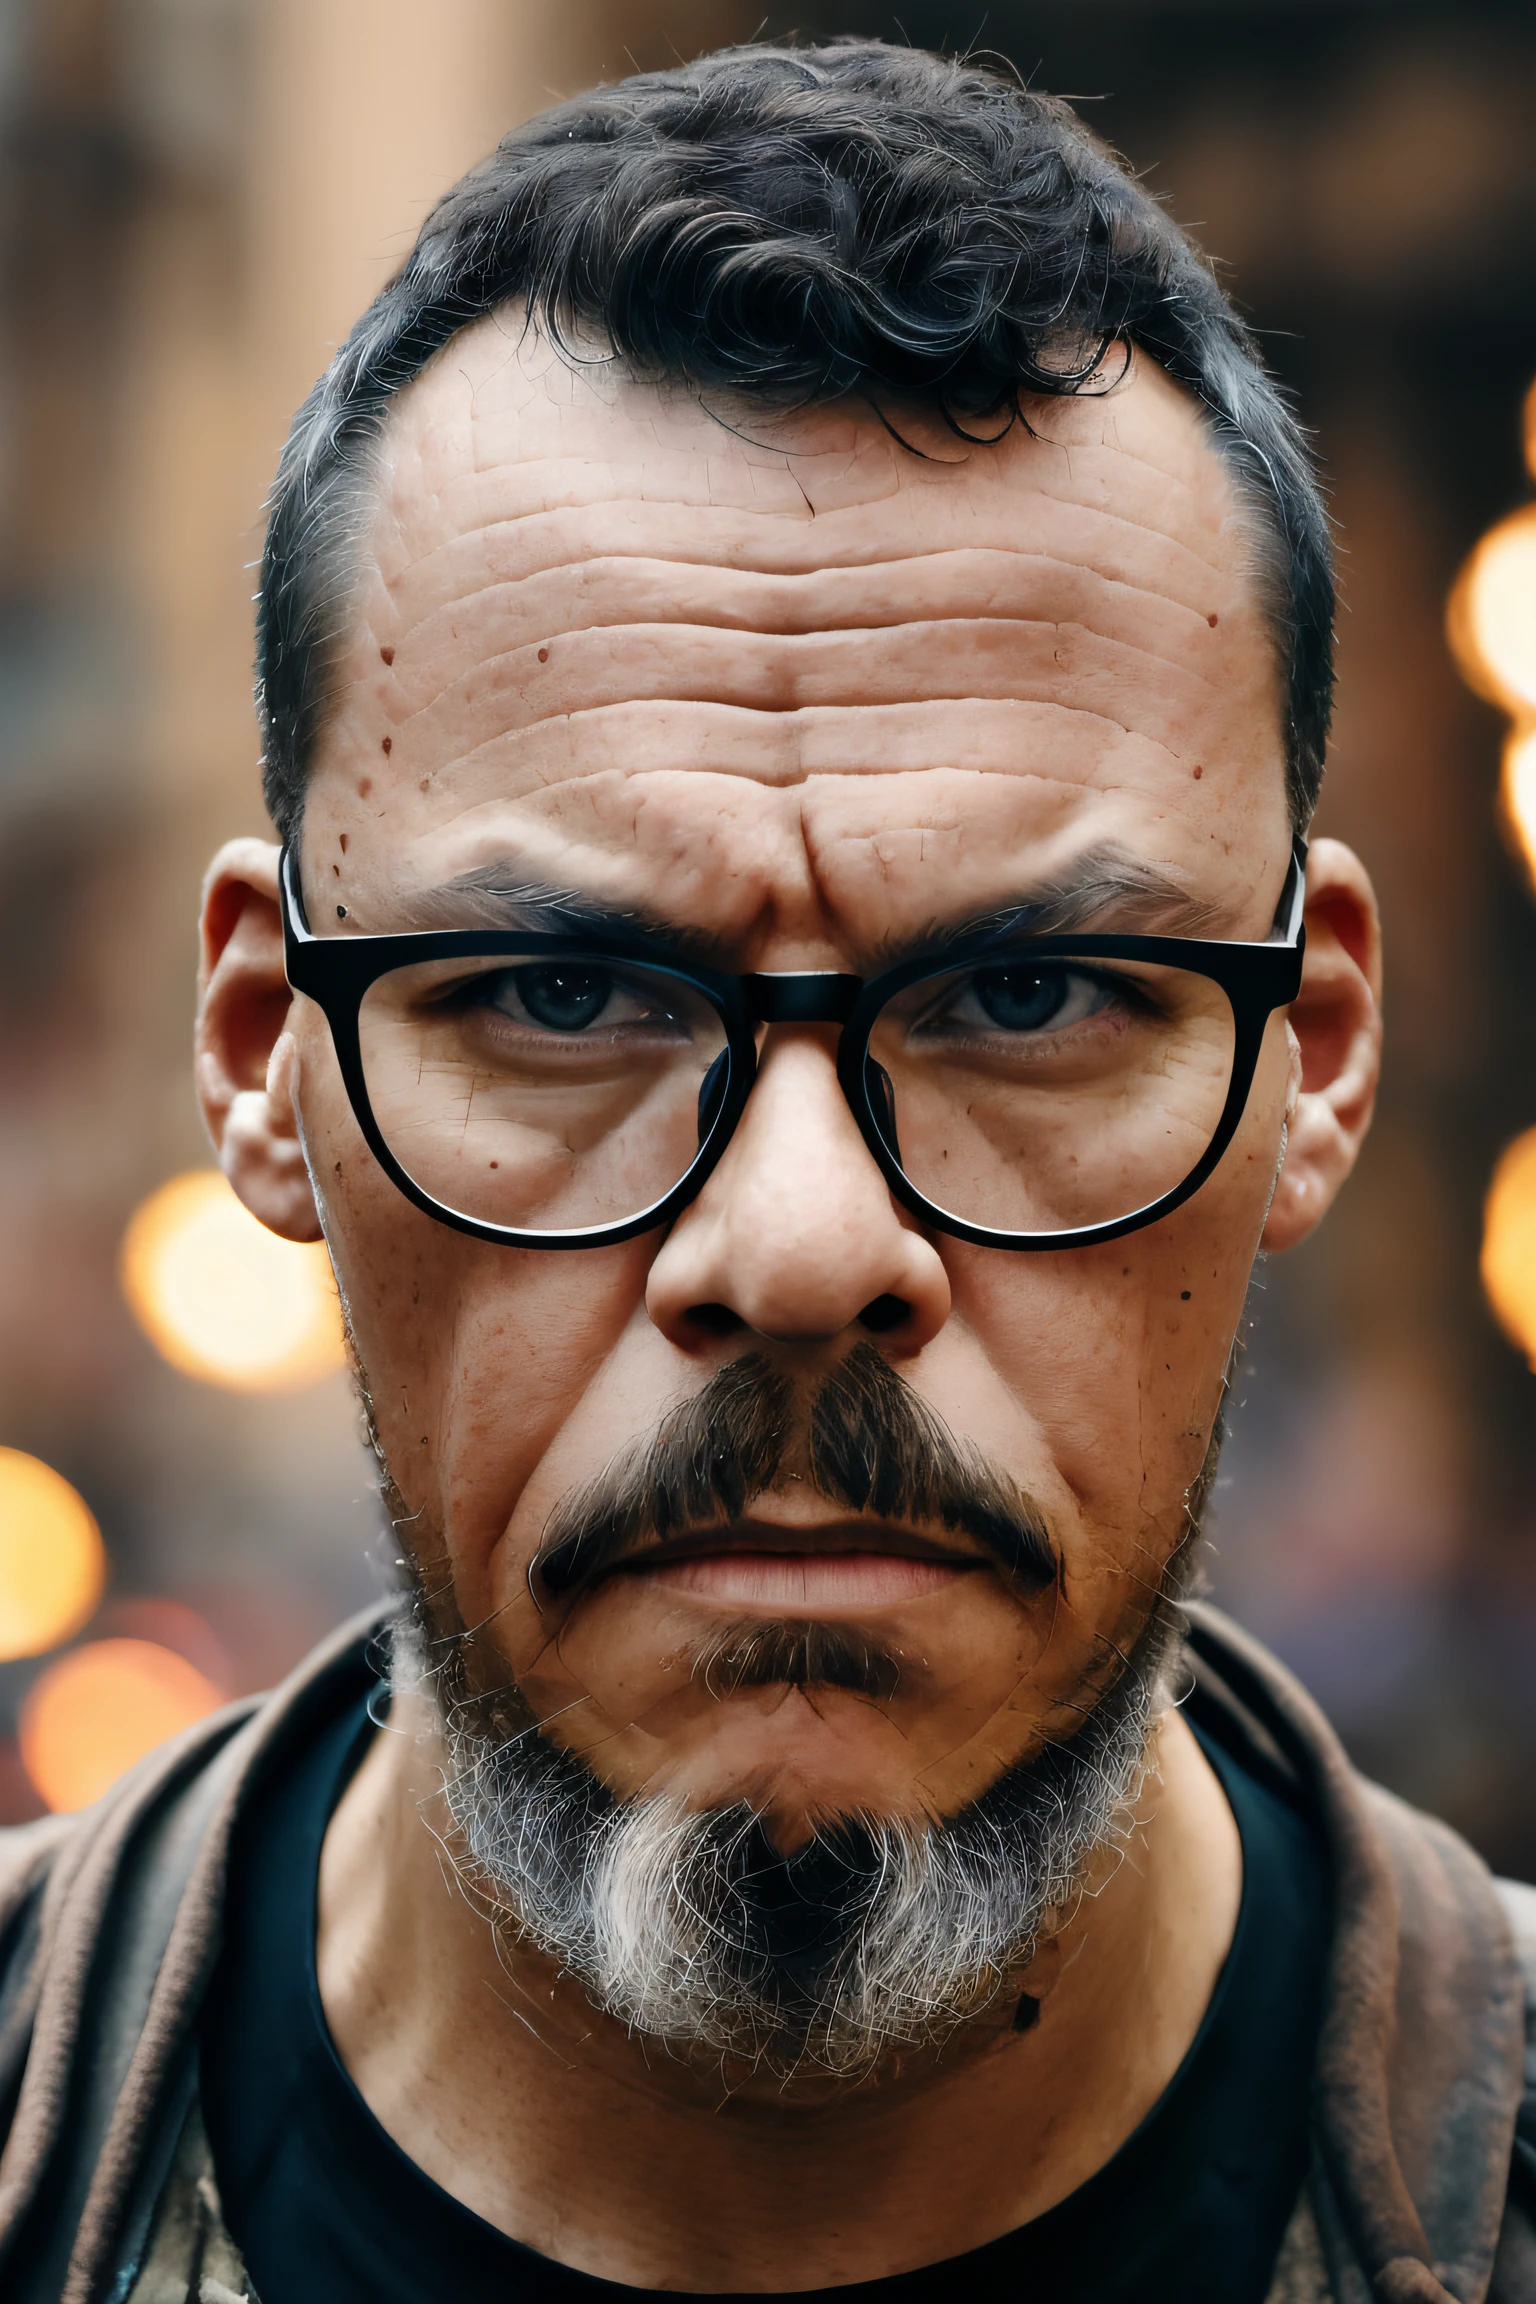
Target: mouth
x,y
844,1566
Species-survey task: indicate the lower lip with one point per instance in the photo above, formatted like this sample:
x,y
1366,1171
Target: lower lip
x,y
800,1581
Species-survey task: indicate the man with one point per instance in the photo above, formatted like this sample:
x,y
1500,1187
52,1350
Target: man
x,y
794,651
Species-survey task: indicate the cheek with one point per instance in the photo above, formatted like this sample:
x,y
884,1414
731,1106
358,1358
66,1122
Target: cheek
x,y
1117,1354
475,1356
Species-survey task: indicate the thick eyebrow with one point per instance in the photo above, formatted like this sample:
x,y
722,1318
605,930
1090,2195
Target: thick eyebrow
x,y
495,896
1107,887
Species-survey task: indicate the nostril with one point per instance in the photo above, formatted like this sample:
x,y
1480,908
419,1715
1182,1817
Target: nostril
x,y
714,1319
883,1313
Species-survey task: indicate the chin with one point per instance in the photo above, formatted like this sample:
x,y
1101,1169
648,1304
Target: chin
x,y
802,1758
902,1711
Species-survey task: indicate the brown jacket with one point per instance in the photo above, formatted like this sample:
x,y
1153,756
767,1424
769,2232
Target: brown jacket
x,y
1423,2183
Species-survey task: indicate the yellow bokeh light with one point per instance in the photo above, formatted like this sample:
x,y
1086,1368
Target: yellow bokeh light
x,y
52,1565
1509,1243
100,1708
1493,614
222,1297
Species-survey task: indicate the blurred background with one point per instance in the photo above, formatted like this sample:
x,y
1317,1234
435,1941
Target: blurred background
x,y
196,199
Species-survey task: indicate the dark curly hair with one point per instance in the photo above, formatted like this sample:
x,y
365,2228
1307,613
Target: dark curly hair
x,y
800,223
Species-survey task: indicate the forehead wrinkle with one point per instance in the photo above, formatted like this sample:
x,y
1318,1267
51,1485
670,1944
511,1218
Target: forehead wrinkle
x,y
1063,478
1164,476
1088,536
960,590
912,663
528,490
1097,514
769,585
785,748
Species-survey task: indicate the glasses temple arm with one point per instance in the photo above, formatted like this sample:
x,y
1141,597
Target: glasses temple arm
x,y
1293,897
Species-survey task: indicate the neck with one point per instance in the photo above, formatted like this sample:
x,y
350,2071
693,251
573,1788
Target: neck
x,y
494,2074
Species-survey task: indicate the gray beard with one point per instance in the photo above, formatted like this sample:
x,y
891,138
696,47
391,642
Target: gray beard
x,y
687,1927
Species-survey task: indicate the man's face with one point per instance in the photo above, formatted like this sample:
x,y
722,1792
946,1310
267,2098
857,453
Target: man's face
x,y
807,696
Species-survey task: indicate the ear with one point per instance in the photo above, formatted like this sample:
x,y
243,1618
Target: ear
x,y
245,1060
1336,1019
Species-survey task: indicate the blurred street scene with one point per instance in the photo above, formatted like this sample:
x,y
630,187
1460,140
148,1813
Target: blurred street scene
x,y
197,197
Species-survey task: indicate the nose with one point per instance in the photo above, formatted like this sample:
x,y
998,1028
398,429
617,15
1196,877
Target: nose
x,y
796,1236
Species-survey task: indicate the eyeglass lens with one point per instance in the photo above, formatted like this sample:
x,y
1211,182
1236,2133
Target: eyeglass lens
x,y
545,1095
1049,1096
1025,1095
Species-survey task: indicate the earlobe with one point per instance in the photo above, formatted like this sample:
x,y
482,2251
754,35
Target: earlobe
x,y
1336,1023
246,1061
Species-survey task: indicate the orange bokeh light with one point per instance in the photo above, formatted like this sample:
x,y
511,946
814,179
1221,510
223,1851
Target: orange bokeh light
x,y
223,1298
102,1707
1517,791
1509,1243
1492,616
52,1564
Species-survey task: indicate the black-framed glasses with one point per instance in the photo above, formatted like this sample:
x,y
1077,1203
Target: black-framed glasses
x,y
1016,1090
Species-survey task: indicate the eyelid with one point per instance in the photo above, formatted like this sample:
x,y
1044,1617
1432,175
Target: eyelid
x,y
947,986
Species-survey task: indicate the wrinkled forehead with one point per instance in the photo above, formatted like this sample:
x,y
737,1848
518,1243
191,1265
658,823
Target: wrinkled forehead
x,y
772,674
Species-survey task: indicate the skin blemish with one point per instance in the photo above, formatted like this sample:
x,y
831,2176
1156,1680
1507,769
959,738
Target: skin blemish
x,y
426,783
1184,1295
365,787
1213,620
543,655
1199,772
336,869
341,911
342,843
388,655
388,745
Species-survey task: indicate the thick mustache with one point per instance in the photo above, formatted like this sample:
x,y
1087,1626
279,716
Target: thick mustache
x,y
871,1446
